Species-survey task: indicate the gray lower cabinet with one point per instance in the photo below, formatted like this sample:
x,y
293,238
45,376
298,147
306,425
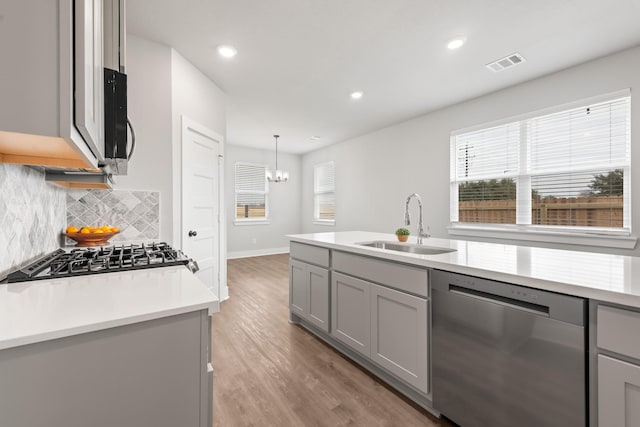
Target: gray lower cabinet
x,y
618,380
351,312
147,374
387,326
298,288
618,393
399,331
386,322
309,293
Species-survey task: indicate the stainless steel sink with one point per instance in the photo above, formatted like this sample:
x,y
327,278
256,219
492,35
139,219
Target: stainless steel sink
x,y
407,247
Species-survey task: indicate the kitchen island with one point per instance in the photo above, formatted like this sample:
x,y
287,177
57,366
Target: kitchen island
x,y
375,305
609,278
128,348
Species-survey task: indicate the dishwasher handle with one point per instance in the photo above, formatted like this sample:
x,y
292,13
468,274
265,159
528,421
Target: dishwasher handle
x,y
566,308
528,307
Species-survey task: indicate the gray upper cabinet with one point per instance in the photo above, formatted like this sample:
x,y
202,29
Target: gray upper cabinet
x,y
399,332
114,34
55,113
351,312
89,75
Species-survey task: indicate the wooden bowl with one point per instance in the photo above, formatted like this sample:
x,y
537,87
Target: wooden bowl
x,y
91,239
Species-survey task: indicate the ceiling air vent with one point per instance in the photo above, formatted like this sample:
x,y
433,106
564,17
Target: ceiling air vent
x,y
506,62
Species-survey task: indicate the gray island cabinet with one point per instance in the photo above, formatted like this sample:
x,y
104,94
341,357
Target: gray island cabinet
x,y
618,365
380,308
155,373
125,349
309,284
372,310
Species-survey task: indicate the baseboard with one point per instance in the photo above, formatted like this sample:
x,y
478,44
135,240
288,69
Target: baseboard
x,y
257,252
224,293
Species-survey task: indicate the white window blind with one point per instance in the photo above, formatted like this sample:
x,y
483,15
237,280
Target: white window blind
x,y
324,189
251,192
564,170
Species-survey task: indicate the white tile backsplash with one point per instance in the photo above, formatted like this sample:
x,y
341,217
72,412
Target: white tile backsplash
x,y
32,216
135,213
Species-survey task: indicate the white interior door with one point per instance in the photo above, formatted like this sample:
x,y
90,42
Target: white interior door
x,y
202,201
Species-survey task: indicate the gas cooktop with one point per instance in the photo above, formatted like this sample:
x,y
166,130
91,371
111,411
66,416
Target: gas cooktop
x,y
79,262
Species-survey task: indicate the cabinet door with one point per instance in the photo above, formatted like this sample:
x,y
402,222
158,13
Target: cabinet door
x,y
618,393
399,335
89,74
351,312
298,288
318,297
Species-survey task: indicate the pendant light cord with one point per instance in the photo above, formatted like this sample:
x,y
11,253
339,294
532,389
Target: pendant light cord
x,y
276,137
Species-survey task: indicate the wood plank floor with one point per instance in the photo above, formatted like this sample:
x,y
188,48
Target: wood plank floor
x,y
269,372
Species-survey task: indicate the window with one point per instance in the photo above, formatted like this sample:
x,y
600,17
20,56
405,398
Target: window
x,y
562,171
252,193
324,193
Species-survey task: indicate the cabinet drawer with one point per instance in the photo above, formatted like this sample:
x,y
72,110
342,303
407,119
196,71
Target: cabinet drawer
x,y
402,277
310,254
614,329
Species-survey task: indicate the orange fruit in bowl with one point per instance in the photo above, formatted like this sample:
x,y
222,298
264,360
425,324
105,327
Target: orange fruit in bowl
x,y
98,231
71,229
114,229
85,230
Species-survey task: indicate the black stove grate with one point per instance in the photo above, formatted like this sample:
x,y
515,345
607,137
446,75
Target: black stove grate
x,y
85,261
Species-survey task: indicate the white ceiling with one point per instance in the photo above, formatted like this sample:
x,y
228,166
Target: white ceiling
x,y
298,60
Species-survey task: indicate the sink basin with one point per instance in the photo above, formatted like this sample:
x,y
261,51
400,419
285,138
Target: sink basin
x,y
407,247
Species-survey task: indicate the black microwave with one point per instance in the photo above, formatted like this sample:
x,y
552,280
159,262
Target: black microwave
x,y
117,151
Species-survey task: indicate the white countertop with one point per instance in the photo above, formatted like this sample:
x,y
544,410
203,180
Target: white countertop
x,y
604,277
42,310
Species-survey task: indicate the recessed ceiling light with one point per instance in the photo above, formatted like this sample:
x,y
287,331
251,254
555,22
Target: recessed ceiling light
x,y
456,43
314,138
357,95
227,51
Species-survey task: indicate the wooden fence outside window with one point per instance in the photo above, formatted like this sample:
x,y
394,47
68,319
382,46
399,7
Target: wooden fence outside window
x,y
589,211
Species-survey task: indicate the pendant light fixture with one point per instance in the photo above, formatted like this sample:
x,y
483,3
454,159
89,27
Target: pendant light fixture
x,y
278,175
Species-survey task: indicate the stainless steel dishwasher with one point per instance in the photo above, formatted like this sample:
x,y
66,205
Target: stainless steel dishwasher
x,y
507,355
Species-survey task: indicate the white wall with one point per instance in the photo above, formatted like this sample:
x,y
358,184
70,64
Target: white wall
x,y
284,204
195,96
149,107
375,172
163,86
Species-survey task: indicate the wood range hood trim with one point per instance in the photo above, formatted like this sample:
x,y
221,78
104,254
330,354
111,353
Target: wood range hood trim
x,y
39,150
70,169
75,180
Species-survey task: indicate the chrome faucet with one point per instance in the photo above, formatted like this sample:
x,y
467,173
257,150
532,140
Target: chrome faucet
x,y
407,217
